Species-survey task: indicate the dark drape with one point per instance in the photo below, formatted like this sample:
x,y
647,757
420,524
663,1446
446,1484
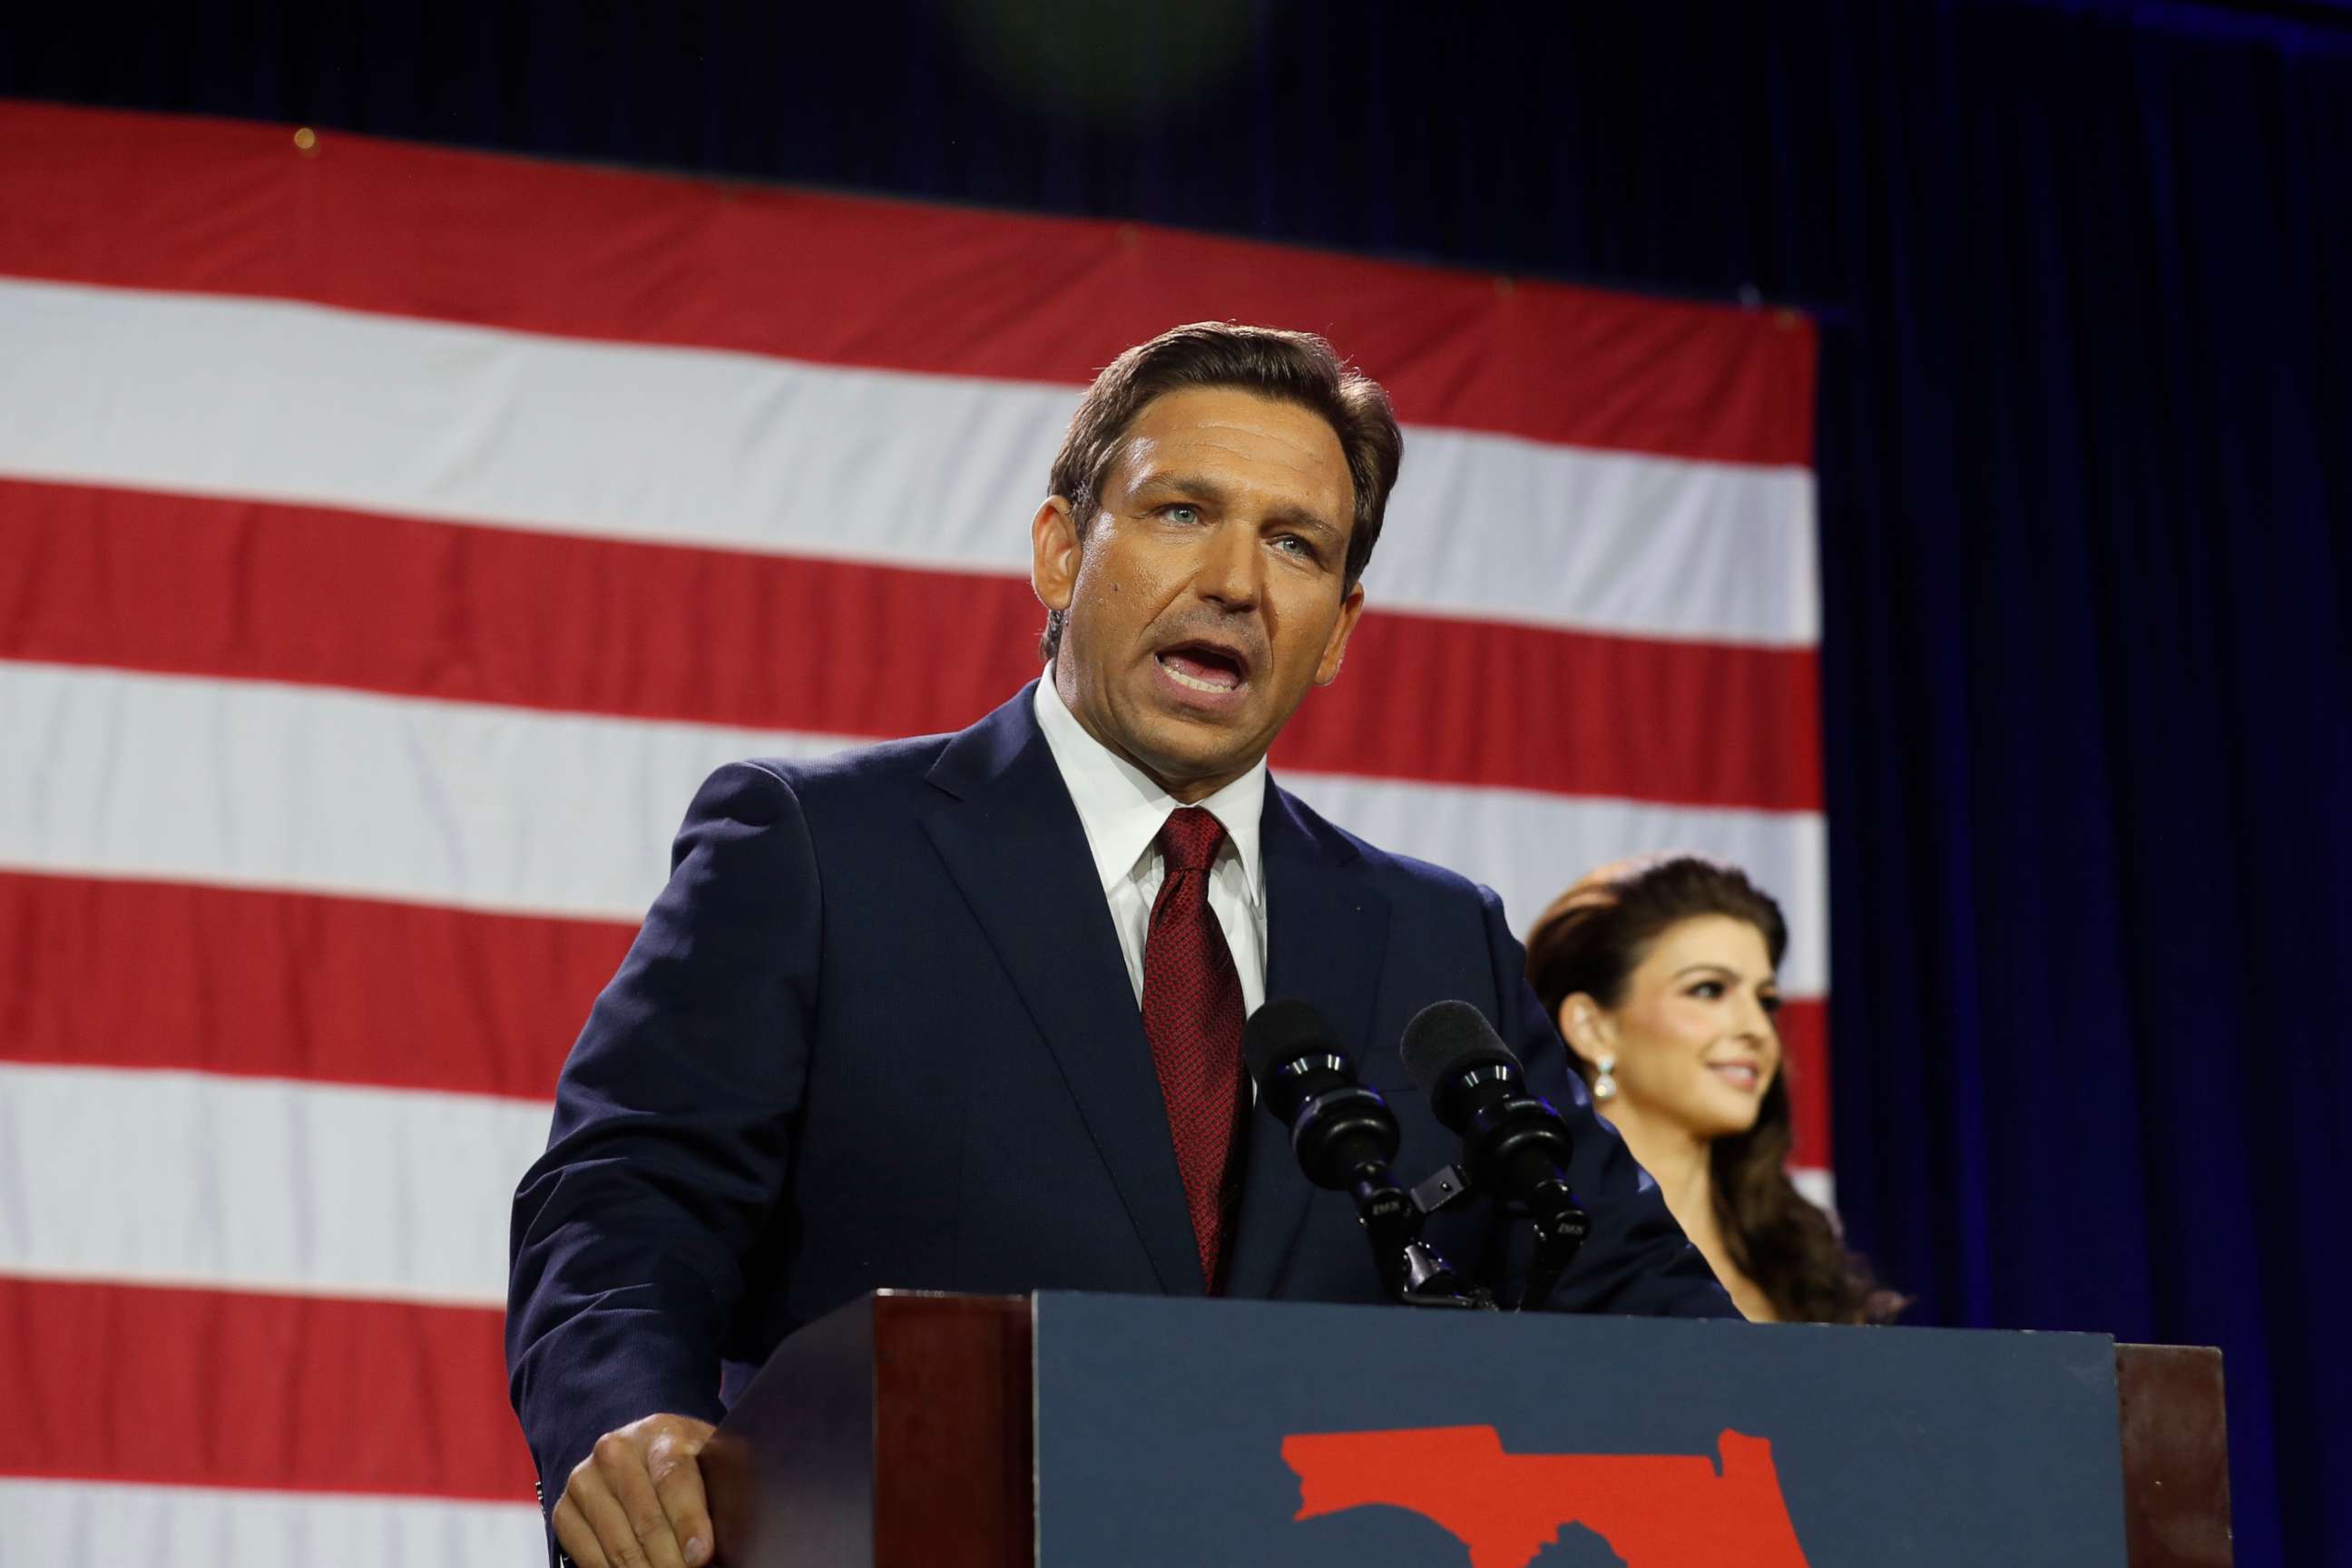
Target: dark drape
x,y
2086,503
2087,516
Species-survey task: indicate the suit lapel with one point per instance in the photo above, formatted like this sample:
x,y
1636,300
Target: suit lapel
x,y
1327,937
1016,847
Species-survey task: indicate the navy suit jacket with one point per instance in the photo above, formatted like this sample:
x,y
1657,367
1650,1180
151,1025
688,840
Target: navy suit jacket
x,y
877,1032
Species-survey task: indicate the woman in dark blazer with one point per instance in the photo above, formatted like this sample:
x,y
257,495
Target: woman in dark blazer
x,y
1662,974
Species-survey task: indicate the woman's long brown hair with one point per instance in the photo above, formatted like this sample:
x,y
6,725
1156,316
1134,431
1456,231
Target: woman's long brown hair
x,y
1591,940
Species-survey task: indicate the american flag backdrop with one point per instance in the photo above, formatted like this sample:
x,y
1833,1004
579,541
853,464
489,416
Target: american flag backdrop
x,y
392,537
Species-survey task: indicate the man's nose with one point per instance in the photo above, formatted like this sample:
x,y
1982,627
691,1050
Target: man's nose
x,y
1230,565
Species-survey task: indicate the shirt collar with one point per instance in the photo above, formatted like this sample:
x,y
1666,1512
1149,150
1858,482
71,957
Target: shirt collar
x,y
1123,810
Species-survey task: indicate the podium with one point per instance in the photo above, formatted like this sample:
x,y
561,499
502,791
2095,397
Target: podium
x,y
1069,1431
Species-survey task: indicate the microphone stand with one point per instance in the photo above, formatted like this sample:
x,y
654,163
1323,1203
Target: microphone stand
x,y
1425,1279
1417,1274
1411,1271
1345,1138
1560,1228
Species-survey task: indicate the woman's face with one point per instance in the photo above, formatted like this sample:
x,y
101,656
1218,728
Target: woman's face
x,y
1692,1034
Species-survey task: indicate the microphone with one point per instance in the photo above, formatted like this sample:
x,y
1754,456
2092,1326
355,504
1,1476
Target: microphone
x,y
1345,1136
1343,1132
1514,1144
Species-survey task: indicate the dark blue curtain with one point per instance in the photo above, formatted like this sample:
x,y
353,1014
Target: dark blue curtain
x,y
2086,502
2088,515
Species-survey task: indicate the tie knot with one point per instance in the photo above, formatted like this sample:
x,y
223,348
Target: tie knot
x,y
1189,842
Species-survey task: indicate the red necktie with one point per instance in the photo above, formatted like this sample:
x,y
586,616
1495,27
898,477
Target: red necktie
x,y
1192,1015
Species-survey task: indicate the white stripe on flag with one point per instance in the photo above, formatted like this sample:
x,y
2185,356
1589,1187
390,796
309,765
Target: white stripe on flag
x,y
695,447
255,784
85,1524
289,1188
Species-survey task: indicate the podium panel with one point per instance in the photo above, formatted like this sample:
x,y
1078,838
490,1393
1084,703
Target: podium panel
x,y
1071,1431
1185,1432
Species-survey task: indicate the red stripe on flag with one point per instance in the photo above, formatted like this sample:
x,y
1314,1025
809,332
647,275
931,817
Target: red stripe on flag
x,y
158,202
294,985
243,589
338,990
215,1388
1805,1050
1484,702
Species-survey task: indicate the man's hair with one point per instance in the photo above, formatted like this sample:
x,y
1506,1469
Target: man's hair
x,y
1295,367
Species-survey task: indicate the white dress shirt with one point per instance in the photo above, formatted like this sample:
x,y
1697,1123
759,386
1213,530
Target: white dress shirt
x,y
1123,811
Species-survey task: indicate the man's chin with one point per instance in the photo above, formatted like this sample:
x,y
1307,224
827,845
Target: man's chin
x,y
1181,751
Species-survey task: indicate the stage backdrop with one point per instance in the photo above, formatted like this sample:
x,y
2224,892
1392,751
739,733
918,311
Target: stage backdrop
x,y
390,540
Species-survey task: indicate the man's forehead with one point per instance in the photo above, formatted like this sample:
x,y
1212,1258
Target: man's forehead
x,y
1230,434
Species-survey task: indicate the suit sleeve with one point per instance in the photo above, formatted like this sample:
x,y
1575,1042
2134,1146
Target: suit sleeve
x,y
1636,1262
671,1136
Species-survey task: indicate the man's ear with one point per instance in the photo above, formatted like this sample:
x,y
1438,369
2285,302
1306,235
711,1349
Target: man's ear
x,y
1335,648
1587,1029
1054,553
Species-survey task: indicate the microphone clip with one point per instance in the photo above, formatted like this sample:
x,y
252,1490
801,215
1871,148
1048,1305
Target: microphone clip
x,y
1424,1279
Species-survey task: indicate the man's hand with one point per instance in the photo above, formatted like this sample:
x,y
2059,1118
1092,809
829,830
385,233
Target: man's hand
x,y
635,1502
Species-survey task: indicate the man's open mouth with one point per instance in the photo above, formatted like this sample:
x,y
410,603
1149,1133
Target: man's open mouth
x,y
1205,667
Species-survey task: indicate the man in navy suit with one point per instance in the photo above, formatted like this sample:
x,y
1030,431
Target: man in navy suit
x,y
964,1013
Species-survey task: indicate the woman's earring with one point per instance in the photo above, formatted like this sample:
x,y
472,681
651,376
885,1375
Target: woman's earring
x,y
1605,1085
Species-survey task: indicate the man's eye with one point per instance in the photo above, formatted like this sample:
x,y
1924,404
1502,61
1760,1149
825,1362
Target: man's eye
x,y
1295,545
1183,511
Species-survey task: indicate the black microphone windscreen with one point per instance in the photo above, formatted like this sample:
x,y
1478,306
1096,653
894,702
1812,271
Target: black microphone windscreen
x,y
1283,1031
1447,1037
